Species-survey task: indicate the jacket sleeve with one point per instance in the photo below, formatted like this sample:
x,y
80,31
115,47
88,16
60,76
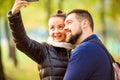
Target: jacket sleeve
x,y
31,48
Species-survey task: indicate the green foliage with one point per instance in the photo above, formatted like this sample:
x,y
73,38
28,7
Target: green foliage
x,y
115,5
5,5
26,69
116,57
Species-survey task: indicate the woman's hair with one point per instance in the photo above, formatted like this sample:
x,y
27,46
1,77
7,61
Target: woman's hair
x,y
59,13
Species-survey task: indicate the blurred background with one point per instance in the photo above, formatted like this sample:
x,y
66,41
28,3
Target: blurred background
x,y
14,65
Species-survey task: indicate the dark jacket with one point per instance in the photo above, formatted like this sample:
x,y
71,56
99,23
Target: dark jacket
x,y
52,60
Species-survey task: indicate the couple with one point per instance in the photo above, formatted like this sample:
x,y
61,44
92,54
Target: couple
x,y
87,61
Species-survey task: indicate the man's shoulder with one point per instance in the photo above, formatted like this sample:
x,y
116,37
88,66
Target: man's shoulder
x,y
86,48
87,45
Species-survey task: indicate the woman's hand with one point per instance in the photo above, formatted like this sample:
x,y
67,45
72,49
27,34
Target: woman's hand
x,y
18,5
117,71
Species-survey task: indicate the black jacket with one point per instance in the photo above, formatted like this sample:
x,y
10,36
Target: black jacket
x,y
52,60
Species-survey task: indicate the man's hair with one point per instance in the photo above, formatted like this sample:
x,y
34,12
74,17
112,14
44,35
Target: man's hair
x,y
83,14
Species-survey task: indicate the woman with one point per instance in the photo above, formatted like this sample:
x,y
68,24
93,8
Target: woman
x,y
53,56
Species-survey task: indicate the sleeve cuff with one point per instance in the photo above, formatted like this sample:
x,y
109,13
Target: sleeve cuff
x,y
13,18
11,15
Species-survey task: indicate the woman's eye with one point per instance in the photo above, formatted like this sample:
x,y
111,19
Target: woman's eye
x,y
61,27
52,28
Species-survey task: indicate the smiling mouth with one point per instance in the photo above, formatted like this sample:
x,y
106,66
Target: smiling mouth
x,y
57,36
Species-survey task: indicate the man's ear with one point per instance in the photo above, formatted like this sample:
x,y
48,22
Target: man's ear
x,y
84,23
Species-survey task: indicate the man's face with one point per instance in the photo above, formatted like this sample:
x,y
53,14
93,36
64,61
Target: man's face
x,y
72,28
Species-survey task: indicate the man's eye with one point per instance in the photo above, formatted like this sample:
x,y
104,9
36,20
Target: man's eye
x,y
68,22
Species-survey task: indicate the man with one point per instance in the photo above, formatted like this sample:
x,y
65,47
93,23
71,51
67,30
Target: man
x,y
88,61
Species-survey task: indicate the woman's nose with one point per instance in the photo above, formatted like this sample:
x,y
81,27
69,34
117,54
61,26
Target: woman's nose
x,y
56,30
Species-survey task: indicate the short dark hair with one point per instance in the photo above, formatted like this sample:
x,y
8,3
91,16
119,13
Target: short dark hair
x,y
83,14
60,14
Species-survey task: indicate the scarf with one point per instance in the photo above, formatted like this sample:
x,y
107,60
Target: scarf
x,y
61,44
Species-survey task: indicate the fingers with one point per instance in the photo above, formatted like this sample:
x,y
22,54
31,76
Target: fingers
x,y
18,5
19,0
117,69
22,3
116,66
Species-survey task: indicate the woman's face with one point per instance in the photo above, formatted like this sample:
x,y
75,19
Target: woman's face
x,y
56,32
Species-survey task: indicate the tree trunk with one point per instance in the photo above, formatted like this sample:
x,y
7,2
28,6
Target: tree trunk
x,y
48,9
12,53
2,75
104,33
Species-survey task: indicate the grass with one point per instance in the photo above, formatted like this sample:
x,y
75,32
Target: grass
x,y
26,69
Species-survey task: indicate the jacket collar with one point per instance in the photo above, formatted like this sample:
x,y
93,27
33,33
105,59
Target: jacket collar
x,y
92,37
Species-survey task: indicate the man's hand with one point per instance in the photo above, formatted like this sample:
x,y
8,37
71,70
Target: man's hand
x,y
17,5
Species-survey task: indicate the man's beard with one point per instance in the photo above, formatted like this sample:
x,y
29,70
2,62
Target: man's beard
x,y
73,38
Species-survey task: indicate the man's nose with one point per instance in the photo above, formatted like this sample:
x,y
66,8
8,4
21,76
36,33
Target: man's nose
x,y
65,28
